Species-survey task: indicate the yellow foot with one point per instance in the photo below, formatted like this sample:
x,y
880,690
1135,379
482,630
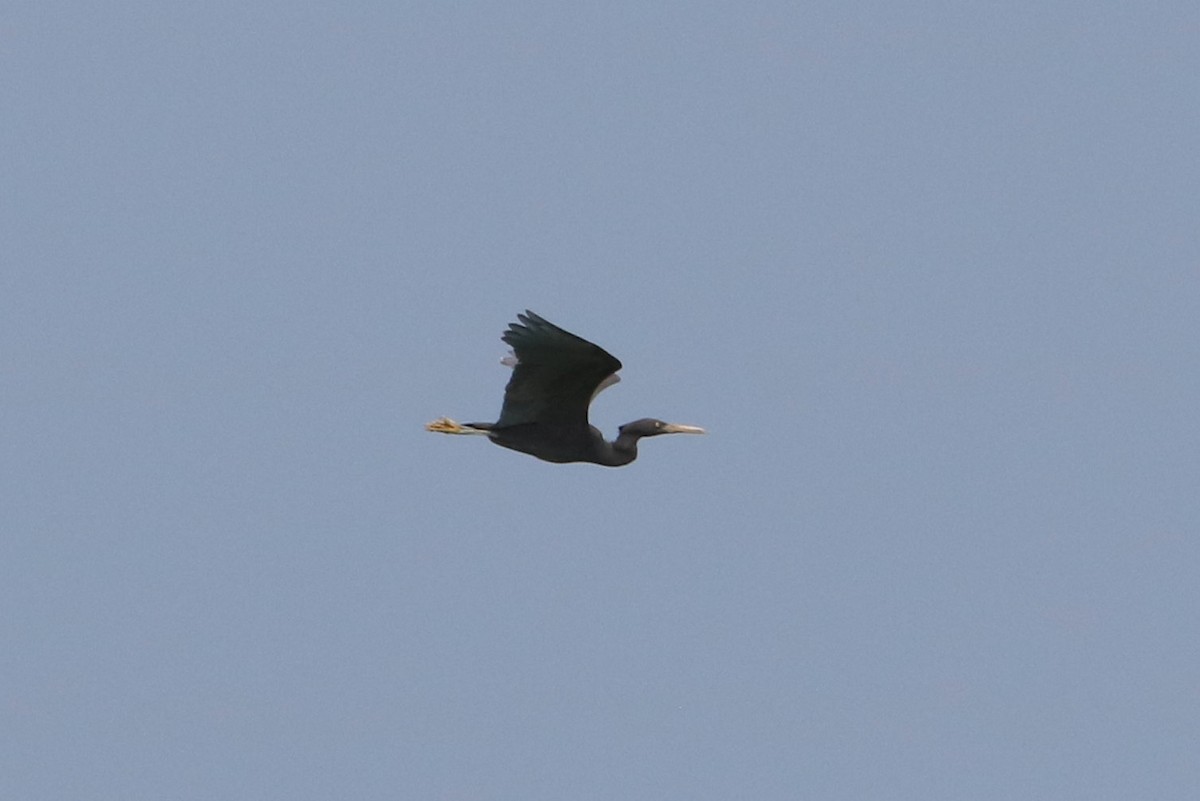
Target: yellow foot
x,y
444,425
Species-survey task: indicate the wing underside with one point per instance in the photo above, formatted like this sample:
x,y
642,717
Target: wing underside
x,y
555,374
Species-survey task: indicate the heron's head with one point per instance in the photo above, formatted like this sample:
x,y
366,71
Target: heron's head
x,y
649,427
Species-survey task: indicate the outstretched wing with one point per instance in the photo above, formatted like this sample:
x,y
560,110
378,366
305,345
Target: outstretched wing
x,y
556,375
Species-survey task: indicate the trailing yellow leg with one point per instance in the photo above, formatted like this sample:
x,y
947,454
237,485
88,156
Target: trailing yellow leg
x,y
444,425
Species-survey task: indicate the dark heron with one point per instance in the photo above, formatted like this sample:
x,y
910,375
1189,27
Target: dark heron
x,y
555,377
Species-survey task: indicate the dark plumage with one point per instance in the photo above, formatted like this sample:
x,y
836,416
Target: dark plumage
x,y
555,376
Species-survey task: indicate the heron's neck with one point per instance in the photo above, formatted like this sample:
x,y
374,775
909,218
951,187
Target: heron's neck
x,y
620,451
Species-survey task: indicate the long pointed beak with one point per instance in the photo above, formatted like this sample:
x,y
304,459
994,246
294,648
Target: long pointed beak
x,y
676,428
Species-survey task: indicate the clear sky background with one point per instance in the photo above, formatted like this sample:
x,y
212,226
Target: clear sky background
x,y
928,272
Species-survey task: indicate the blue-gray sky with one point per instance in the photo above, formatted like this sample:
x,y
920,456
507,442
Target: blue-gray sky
x,y
928,272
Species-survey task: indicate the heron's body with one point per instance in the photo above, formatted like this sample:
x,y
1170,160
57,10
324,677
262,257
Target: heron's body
x,y
545,414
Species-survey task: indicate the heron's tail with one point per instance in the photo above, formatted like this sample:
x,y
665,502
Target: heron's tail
x,y
444,425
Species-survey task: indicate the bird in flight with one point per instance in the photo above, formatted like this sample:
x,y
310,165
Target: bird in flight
x,y
545,414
